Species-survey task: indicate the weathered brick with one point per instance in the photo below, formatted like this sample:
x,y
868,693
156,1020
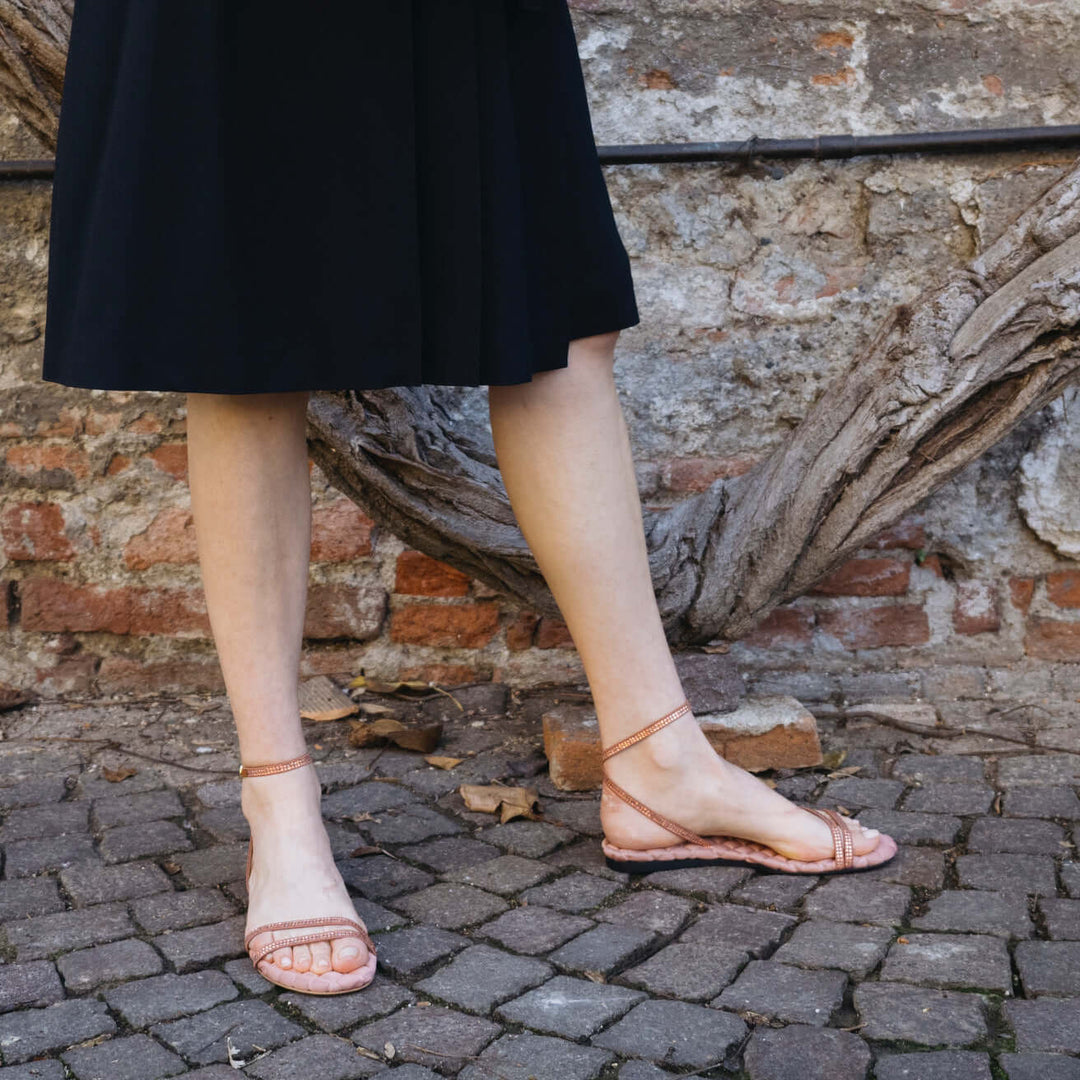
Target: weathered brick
x,y
456,856
650,909
379,877
534,930
127,842
1052,639
1003,873
1048,1024
355,612
876,627
507,875
333,1012
95,883
960,961
29,985
416,949
1039,1067
129,809
742,928
975,911
976,610
574,892
793,995
1062,918
893,1011
451,906
819,943
26,857
956,798
1042,802
454,626
324,1056
417,574
937,1065
763,732
867,577
190,949
532,839
906,827
850,899
1049,967
603,949
179,910
29,896
46,934
693,971
41,821
340,532
50,604
169,538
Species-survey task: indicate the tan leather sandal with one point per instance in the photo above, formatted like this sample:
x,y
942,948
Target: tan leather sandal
x,y
729,850
305,982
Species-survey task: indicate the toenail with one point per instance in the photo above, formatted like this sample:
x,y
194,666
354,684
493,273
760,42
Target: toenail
x,y
350,952
871,832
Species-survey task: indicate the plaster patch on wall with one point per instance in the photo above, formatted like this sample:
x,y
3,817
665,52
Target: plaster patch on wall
x,y
1049,496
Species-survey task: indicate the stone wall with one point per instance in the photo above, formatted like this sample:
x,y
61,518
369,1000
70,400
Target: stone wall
x,y
756,282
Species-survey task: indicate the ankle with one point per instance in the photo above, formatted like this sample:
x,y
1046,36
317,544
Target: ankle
x,y
280,795
672,750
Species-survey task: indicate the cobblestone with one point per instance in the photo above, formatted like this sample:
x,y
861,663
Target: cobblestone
x,y
29,985
674,1033
451,906
201,1039
45,935
88,968
481,977
1062,918
537,1057
851,899
803,1052
129,809
322,1056
575,892
25,1035
744,929
136,1057
1049,967
793,995
1016,835
960,961
572,1008
127,842
650,909
1042,802
334,1012
1048,1024
894,1011
507,875
187,950
820,943
410,952
939,1065
1040,1067
29,896
604,948
1005,873
180,910
168,996
442,1039
513,950
534,929
978,912
692,972
95,883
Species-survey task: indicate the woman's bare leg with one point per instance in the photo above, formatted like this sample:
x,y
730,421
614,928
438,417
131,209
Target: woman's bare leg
x,y
564,454
251,501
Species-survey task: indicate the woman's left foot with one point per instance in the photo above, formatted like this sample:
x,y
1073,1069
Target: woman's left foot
x,y
676,773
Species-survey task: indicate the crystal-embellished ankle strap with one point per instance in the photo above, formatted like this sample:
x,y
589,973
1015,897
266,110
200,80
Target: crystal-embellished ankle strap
x,y
645,732
275,767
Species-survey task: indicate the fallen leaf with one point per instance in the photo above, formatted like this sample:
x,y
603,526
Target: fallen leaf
x,y
902,941
363,849
374,708
833,759
425,739
722,647
170,867
114,776
365,1052
847,770
443,762
508,802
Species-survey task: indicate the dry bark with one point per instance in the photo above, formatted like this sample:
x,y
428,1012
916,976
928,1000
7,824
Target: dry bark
x,y
946,377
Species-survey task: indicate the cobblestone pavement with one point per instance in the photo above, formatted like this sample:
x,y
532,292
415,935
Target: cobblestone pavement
x,y
510,950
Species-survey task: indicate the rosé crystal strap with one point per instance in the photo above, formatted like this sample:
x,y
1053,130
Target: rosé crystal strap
x,y
645,732
275,767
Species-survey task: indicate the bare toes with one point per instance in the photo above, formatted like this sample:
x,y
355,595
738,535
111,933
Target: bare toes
x,y
320,957
282,957
301,958
349,954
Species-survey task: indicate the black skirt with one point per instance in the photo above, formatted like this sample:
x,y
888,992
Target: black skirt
x,y
254,196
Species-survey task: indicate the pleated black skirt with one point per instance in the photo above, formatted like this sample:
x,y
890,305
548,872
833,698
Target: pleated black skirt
x,y
254,196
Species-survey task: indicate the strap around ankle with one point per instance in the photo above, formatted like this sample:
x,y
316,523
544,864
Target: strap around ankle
x,y
645,732
276,767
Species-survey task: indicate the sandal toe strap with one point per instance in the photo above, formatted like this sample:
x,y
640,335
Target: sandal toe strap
x,y
355,930
843,842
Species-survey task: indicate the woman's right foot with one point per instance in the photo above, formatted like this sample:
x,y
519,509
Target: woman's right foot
x,y
676,773
293,874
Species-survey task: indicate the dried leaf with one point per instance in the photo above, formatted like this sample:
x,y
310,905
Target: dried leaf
x,y
171,867
847,770
377,687
114,776
901,941
833,759
508,802
595,976
362,850
443,762
374,708
425,739
365,1052
322,699
721,647
199,705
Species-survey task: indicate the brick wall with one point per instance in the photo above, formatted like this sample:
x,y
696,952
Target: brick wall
x,y
756,284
